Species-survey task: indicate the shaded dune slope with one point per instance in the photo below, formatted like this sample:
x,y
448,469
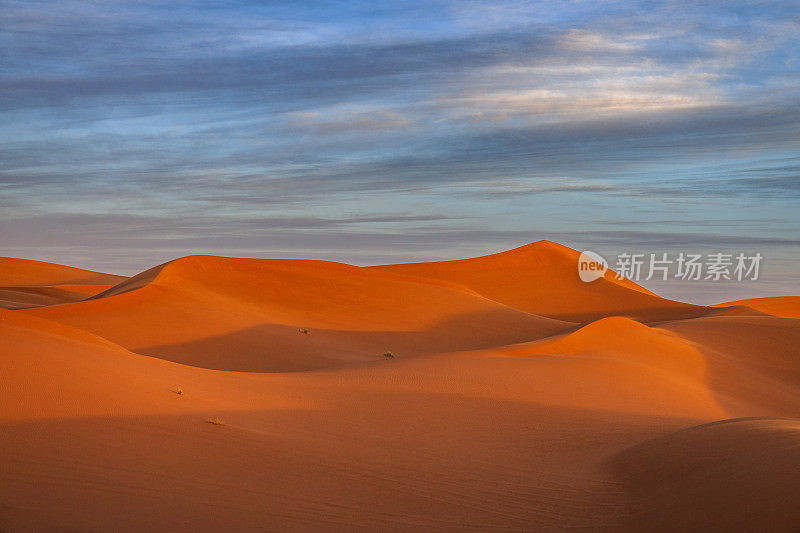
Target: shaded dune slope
x,y
732,475
755,357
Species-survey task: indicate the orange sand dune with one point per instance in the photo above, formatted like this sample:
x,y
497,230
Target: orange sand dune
x,y
98,439
623,339
26,283
542,278
745,364
762,346
785,306
490,418
246,314
26,272
737,475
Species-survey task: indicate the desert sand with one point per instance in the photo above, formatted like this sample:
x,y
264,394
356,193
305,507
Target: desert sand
x,y
25,283
498,393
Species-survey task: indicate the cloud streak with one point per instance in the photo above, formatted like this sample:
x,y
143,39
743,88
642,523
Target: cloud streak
x,y
242,126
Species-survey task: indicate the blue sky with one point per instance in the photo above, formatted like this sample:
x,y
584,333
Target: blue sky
x,y
370,132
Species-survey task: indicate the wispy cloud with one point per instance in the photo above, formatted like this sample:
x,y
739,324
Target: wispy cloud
x,y
250,125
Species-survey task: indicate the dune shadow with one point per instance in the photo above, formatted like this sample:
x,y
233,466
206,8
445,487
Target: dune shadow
x,y
737,474
751,361
381,460
285,348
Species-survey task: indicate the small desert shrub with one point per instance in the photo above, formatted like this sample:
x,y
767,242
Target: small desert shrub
x,y
303,330
388,354
217,421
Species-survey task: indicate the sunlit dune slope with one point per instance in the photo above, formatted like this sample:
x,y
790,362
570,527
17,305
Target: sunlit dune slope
x,y
27,283
785,306
250,314
52,370
542,278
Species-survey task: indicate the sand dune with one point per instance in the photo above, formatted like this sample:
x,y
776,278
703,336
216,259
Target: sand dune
x,y
542,278
490,417
247,315
732,475
25,283
785,306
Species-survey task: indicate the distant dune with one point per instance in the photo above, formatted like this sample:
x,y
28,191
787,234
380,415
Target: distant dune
x,y
785,306
26,283
541,278
498,393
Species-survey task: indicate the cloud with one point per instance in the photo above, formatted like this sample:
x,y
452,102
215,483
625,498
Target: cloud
x,y
590,41
251,126
336,120
686,240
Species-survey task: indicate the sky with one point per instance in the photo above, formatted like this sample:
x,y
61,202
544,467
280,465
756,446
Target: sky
x,y
380,132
